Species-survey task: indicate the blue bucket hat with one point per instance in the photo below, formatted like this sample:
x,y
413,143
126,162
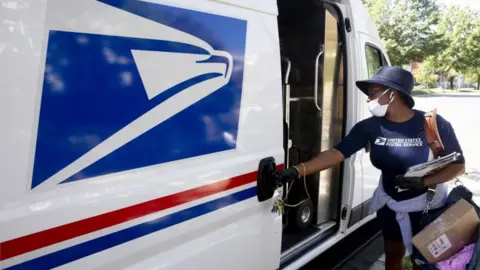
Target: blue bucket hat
x,y
392,77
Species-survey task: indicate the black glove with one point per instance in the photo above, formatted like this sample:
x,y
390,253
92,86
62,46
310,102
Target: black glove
x,y
287,175
409,182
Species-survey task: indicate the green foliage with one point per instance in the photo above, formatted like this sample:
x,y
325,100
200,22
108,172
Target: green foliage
x,y
426,77
446,40
461,34
456,26
472,52
407,262
407,28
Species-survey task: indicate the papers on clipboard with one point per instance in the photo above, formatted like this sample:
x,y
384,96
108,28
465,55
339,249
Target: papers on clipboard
x,y
429,167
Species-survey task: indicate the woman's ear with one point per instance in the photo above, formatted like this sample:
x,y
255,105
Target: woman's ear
x,y
394,94
396,97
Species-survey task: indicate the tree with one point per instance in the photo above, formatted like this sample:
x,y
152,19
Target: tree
x,y
458,27
472,78
425,77
407,28
472,51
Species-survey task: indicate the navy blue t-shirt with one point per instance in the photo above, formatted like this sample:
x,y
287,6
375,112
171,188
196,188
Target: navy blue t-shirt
x,y
397,146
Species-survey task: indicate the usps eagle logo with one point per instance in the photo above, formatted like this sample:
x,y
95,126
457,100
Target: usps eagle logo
x,y
117,102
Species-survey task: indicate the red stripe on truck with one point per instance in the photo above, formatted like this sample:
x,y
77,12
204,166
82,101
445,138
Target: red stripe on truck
x,y
27,243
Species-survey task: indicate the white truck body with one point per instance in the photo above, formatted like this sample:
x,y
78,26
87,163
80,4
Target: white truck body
x,y
131,133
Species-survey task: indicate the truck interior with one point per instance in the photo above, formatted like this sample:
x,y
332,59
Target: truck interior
x,y
312,48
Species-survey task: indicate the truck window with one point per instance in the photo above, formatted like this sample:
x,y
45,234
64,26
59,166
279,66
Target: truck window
x,y
374,60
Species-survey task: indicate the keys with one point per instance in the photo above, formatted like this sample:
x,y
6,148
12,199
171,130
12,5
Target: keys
x,y
278,206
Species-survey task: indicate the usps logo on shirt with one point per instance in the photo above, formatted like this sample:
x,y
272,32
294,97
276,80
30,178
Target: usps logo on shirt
x,y
399,142
381,141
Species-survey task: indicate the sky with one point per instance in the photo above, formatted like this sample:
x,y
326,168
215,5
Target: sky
x,y
473,4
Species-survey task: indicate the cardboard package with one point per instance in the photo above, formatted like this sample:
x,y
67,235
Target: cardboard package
x,y
449,233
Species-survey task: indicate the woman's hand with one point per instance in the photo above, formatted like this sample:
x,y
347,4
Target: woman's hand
x,y
288,175
448,173
324,160
409,182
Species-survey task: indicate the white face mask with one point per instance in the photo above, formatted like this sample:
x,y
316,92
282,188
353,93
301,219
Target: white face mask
x,y
378,109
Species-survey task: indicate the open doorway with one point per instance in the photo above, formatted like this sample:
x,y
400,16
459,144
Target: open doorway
x,y
313,52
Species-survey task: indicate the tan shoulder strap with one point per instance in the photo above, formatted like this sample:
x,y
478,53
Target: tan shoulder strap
x,y
431,132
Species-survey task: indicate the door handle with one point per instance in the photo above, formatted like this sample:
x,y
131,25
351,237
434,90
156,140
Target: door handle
x,y
289,68
286,113
315,87
266,179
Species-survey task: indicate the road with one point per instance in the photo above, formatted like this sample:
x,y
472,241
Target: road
x,y
338,257
463,112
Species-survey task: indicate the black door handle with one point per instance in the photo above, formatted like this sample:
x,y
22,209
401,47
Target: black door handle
x,y
266,179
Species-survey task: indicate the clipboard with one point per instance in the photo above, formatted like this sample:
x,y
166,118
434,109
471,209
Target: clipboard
x,y
431,166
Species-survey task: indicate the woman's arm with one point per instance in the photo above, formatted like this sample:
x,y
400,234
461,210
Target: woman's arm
x,y
446,174
449,172
451,144
354,141
324,160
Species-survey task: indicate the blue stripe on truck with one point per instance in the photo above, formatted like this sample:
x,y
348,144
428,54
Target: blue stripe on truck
x,y
102,243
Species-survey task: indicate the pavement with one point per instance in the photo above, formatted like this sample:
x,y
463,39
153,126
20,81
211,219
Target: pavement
x,y
371,258
463,112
